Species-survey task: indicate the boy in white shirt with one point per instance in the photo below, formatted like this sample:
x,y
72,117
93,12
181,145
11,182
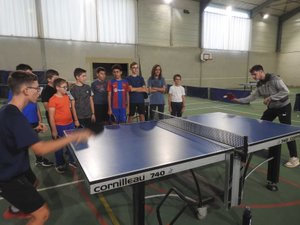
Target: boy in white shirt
x,y
176,97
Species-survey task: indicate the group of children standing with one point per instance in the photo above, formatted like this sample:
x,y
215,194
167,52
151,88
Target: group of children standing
x,y
85,104
121,97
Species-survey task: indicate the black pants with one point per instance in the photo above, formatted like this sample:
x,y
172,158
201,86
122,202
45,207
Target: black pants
x,y
159,107
284,116
176,109
86,122
101,113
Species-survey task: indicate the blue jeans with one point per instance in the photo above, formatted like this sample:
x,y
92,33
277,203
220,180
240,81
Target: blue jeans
x,y
59,155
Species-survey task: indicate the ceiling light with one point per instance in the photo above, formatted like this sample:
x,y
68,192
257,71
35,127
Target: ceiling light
x,y
265,16
168,1
229,8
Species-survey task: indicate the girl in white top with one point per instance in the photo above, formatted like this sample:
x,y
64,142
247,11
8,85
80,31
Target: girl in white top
x,y
176,97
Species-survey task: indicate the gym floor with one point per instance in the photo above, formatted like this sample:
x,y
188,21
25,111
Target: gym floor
x,y
70,202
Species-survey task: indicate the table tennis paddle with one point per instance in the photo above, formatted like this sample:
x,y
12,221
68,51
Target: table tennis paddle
x,y
229,96
95,128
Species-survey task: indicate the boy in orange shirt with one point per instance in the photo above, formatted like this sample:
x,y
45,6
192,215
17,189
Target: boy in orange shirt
x,y
60,117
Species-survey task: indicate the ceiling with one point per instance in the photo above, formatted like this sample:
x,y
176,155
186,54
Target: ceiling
x,y
278,8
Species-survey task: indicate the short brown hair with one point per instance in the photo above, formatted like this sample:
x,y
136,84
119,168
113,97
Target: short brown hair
x,y
18,78
256,68
99,69
133,64
78,72
51,73
176,75
58,82
116,67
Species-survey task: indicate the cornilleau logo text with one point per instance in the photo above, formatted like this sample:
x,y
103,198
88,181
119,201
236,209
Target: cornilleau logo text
x,y
288,139
119,183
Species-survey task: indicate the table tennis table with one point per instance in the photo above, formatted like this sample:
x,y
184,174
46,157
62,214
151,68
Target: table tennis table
x,y
131,154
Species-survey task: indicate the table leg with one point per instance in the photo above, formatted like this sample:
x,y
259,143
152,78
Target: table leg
x,y
138,196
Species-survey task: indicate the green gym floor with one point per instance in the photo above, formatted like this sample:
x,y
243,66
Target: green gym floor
x,y
71,204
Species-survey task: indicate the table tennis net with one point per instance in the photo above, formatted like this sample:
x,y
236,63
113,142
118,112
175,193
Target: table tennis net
x,y
215,134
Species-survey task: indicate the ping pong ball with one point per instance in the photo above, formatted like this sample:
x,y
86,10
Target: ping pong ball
x,y
225,96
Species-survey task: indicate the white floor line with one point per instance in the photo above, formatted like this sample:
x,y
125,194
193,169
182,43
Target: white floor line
x,y
60,185
57,186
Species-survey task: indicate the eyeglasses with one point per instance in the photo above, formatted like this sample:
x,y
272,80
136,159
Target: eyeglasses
x,y
135,67
35,88
177,79
64,87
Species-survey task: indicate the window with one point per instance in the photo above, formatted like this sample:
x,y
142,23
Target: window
x,y
117,21
112,21
225,30
18,18
69,19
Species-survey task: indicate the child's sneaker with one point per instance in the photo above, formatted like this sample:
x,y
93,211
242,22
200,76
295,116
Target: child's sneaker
x,y
8,214
73,164
44,163
293,162
60,169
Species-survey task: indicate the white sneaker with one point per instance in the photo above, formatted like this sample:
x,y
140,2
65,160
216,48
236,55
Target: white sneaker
x,y
293,162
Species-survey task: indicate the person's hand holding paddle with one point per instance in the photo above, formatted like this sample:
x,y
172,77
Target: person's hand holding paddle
x,y
230,97
81,135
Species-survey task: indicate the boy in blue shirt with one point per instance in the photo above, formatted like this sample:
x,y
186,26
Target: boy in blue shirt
x,y
34,117
17,180
137,89
99,88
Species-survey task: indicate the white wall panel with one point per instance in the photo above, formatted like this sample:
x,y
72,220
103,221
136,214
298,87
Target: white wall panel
x,y
184,61
186,25
154,22
264,34
227,69
20,50
290,41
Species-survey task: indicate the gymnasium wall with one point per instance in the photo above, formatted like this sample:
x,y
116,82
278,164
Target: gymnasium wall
x,y
289,66
168,37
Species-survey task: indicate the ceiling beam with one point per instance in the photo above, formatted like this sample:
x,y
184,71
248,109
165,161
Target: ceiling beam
x,y
288,15
203,5
260,7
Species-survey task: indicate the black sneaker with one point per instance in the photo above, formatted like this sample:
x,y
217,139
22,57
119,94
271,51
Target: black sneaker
x,y
60,169
44,162
272,186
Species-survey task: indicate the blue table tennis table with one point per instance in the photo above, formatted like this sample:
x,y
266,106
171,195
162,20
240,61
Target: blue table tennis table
x,y
131,154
